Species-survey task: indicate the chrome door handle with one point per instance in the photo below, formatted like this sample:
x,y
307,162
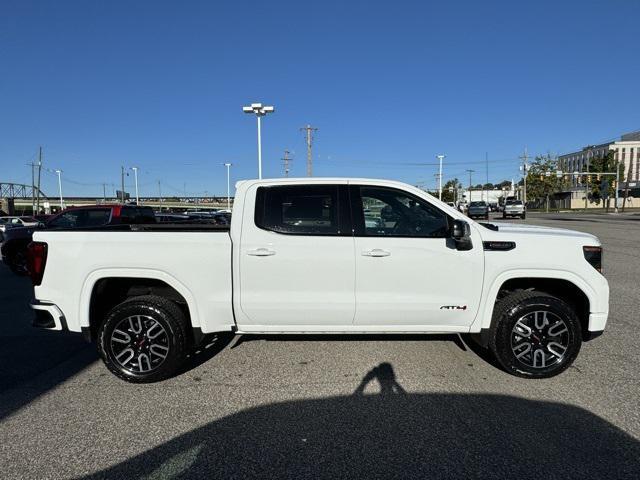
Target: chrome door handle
x,y
261,252
376,252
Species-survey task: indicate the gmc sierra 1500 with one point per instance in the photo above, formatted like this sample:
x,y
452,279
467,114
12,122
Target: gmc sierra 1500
x,y
323,255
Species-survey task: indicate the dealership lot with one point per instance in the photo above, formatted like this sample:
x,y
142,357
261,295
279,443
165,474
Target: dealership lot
x,y
309,407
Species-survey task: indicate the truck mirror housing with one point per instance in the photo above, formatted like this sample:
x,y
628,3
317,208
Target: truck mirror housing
x,y
461,234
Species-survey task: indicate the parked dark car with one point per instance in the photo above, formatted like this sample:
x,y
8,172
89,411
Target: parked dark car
x,y
478,210
14,243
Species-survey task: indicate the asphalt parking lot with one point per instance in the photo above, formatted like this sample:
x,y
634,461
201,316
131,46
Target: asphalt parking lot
x,y
328,407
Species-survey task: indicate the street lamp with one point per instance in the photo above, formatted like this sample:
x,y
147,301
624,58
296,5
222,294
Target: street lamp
x,y
135,174
440,157
59,172
260,111
228,165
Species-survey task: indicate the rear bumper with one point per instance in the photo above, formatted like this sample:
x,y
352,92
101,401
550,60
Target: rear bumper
x,y
48,316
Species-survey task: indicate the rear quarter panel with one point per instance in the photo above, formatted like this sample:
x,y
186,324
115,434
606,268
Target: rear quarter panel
x,y
196,264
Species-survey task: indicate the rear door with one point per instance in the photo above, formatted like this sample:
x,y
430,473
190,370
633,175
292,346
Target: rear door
x,y
408,271
296,259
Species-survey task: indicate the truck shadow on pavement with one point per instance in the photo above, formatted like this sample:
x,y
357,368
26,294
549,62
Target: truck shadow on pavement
x,y
395,434
32,362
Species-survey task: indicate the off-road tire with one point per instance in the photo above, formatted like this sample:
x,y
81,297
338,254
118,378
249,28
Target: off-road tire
x,y
18,264
515,306
164,312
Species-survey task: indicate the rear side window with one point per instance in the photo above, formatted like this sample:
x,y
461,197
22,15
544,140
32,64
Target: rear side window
x,y
82,218
299,209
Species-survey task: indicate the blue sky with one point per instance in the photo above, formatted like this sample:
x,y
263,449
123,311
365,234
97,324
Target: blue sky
x,y
160,85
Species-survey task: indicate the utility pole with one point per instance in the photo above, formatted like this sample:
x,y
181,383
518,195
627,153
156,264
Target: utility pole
x,y
39,171
525,169
104,193
160,195
286,161
440,157
470,173
309,131
122,184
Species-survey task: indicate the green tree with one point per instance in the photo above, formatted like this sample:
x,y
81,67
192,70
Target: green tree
x,y
542,181
449,190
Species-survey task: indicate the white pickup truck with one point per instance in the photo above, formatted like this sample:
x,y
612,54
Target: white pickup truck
x,y
323,255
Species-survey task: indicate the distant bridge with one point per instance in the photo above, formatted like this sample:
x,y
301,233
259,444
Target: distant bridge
x,y
18,190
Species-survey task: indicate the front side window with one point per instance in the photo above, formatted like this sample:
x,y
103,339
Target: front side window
x,y
96,218
390,212
298,209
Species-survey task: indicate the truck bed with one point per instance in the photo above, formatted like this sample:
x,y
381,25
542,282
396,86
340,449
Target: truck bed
x,y
194,259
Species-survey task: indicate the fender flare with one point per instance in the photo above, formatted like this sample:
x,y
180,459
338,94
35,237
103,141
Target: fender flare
x,y
100,274
484,320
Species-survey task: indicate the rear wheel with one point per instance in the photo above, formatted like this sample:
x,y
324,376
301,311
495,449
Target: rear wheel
x,y
18,263
535,335
143,339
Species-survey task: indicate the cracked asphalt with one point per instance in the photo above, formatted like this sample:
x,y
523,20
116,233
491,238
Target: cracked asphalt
x,y
327,407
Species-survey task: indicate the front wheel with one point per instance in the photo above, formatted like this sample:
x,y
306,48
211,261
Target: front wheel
x,y
143,339
535,335
523,216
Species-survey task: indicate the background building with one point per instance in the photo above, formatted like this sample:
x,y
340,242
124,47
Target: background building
x,y
626,150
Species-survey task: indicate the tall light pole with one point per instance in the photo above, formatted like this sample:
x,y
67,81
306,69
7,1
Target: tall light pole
x,y
59,172
228,165
260,111
440,157
135,175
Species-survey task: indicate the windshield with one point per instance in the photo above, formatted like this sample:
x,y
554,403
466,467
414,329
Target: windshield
x,y
478,204
514,202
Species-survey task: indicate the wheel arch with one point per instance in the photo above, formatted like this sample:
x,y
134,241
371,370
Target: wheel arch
x,y
104,289
564,285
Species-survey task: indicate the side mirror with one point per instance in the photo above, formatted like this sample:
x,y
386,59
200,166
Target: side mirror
x,y
461,234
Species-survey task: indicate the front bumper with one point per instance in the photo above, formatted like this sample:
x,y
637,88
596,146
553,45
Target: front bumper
x,y
48,316
597,321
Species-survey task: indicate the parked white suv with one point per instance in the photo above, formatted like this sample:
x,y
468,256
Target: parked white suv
x,y
323,255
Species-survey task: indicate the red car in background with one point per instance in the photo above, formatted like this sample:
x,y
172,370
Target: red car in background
x,y
14,242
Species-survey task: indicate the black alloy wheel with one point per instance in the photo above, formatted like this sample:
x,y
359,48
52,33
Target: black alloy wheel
x,y
143,339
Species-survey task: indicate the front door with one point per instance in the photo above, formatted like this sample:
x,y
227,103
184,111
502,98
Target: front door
x,y
408,271
296,258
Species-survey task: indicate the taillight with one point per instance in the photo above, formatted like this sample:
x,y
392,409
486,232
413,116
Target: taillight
x,y
36,261
593,255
